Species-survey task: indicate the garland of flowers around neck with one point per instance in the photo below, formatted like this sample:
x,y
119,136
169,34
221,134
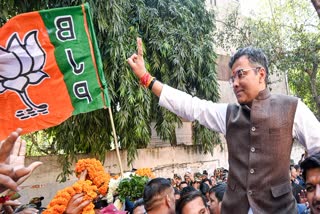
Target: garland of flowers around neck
x,y
96,182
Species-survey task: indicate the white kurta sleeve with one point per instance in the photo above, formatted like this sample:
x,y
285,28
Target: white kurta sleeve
x,y
210,114
306,128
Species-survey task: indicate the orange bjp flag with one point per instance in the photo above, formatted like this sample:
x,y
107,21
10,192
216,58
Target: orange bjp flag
x,y
50,69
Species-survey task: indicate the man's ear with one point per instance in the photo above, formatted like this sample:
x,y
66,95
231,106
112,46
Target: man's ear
x,y
262,75
168,201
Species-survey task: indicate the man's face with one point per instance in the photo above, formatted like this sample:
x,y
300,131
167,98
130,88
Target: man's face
x,y
313,189
187,177
183,186
299,172
294,173
196,184
177,181
207,182
177,197
195,206
214,205
248,85
213,180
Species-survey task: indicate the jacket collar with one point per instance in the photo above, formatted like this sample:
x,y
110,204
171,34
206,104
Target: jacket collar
x,y
264,94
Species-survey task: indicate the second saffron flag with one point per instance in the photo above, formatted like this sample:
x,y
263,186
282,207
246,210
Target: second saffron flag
x,y
50,69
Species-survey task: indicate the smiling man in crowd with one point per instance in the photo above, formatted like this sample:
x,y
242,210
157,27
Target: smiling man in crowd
x,y
311,175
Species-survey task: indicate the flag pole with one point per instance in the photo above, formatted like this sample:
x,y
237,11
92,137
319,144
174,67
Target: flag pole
x,y
116,141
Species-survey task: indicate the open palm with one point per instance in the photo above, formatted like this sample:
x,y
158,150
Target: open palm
x,y
12,157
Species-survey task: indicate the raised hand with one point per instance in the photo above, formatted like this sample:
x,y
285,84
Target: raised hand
x,y
136,61
303,196
12,156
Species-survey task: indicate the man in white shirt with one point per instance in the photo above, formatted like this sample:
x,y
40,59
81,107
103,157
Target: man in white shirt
x,y
258,130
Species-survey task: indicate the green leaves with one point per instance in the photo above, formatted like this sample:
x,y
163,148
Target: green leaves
x,y
289,37
179,50
132,188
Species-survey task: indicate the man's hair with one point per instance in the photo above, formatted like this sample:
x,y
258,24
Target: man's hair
x,y
154,190
182,182
187,189
100,203
188,197
138,203
207,179
310,163
176,176
255,56
297,167
218,190
204,188
176,191
291,167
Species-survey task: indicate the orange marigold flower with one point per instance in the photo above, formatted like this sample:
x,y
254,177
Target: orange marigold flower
x,y
97,181
70,191
96,173
103,189
59,201
145,172
59,208
89,208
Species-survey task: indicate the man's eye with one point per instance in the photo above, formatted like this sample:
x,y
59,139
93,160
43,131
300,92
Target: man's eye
x,y
203,211
310,188
240,73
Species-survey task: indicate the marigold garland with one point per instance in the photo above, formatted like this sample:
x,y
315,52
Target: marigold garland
x,y
96,182
96,173
59,203
145,172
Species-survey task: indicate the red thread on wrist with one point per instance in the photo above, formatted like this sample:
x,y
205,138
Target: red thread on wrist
x,y
145,79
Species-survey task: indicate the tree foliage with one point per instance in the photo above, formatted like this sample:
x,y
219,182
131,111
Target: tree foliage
x,y
178,45
289,34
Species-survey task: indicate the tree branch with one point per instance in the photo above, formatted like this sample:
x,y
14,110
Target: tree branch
x,y
316,5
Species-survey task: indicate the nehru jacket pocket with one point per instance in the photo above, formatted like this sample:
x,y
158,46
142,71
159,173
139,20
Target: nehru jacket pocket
x,y
281,189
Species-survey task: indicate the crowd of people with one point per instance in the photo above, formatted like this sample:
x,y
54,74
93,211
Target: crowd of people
x,y
201,193
195,191
198,192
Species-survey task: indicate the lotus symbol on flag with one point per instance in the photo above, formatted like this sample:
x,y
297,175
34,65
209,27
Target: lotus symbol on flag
x,y
21,64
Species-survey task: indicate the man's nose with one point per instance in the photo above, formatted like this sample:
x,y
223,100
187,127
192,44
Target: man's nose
x,y
317,193
235,82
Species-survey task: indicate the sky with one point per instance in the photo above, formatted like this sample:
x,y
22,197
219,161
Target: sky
x,y
249,5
